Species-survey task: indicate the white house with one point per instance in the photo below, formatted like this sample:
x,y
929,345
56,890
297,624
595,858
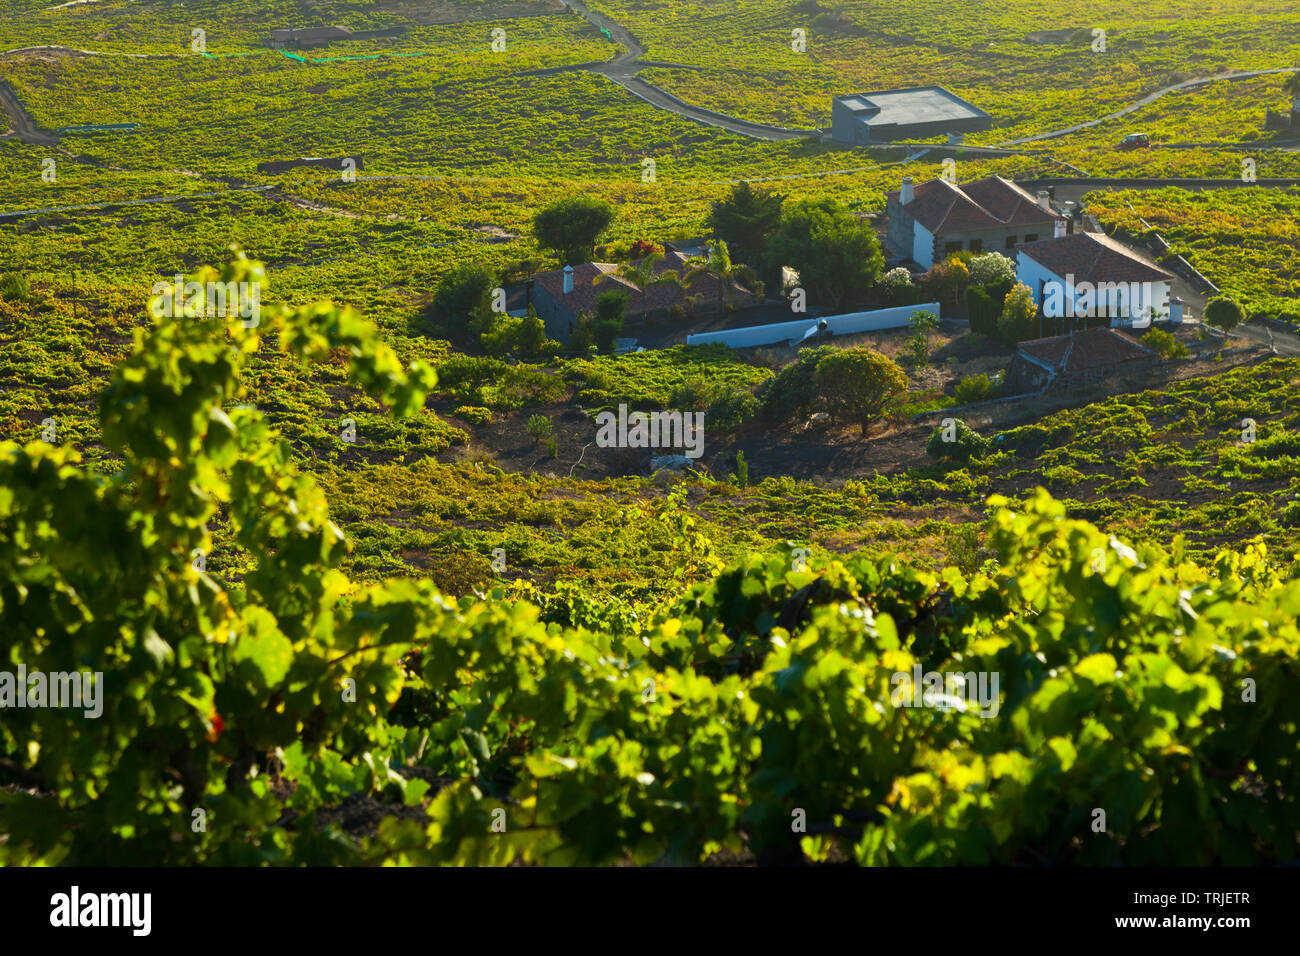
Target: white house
x,y
1089,276
928,222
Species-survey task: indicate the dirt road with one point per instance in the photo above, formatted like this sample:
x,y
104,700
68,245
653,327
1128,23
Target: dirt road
x,y
24,127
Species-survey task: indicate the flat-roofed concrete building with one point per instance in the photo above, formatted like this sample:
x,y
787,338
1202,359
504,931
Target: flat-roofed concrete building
x,y
916,112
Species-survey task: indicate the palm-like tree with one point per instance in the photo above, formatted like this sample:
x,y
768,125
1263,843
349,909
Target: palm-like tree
x,y
642,275
718,264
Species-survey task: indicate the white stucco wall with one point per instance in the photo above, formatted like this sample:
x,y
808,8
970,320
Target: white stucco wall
x,y
846,324
1034,274
922,245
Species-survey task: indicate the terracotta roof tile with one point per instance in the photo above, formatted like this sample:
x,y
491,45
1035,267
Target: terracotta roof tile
x,y
586,289
1083,350
1092,257
989,203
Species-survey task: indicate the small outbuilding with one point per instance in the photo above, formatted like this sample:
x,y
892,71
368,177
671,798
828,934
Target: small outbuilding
x,y
1076,359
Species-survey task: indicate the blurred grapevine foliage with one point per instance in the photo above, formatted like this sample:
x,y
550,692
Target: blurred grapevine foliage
x,y
560,727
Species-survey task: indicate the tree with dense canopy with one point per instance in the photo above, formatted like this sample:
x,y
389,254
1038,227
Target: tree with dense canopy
x,y
607,322
858,384
837,257
1224,313
572,226
465,293
1019,319
746,218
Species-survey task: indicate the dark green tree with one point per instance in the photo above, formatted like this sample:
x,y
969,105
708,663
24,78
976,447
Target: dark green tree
x,y
611,306
747,218
792,393
837,257
1223,313
532,334
570,227
858,384
465,293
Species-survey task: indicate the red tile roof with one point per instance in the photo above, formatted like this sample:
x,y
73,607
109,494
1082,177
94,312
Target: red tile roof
x,y
989,203
1092,257
1087,349
585,289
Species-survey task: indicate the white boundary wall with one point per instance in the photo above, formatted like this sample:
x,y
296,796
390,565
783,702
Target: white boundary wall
x,y
846,324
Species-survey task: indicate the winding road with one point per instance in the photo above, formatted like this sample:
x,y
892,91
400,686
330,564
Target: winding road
x,y
623,70
1149,98
24,127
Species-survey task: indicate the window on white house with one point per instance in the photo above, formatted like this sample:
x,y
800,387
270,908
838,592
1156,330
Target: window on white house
x,y
1011,242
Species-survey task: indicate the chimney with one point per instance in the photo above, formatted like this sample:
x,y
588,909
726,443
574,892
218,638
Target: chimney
x,y
568,279
905,193
1060,229
1044,200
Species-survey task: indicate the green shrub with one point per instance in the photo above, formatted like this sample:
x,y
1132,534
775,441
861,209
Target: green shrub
x,y
1019,319
539,426
495,383
693,393
607,323
792,393
532,340
503,337
729,406
1165,344
15,287
725,404
976,388
981,311
465,293
916,350
676,377
460,374
474,414
954,440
